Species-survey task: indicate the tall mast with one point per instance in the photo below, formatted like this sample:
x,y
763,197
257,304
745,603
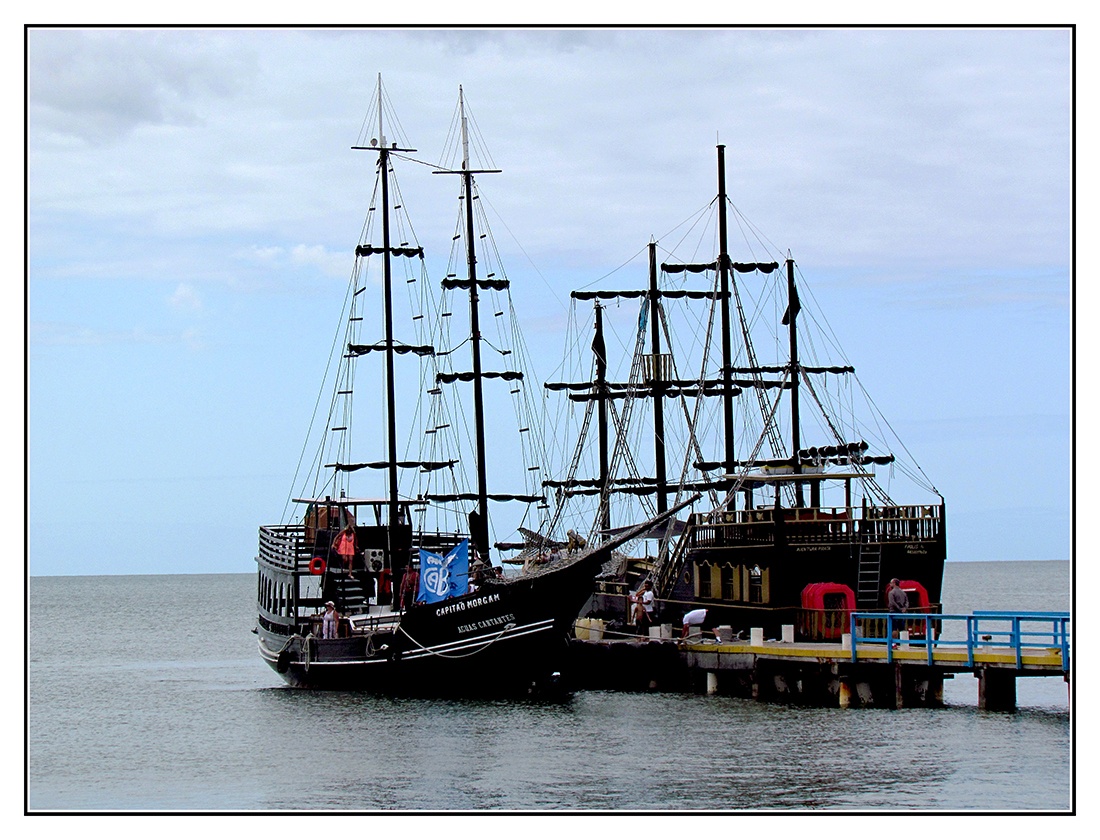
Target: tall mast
x,y
657,376
789,319
599,349
479,522
481,539
379,145
727,353
391,401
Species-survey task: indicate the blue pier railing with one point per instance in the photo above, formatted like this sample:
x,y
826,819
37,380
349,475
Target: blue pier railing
x,y
984,629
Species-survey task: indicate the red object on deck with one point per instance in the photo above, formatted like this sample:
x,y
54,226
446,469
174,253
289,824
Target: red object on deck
x,y
918,595
912,588
827,608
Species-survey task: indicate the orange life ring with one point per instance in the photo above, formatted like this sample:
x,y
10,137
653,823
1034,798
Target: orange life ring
x,y
317,566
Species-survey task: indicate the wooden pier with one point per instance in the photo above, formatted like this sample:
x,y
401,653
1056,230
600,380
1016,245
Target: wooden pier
x,y
861,669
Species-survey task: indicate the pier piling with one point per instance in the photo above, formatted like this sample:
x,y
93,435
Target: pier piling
x,y
996,690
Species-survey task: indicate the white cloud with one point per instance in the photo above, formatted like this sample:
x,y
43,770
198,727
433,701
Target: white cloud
x,y
332,264
850,147
186,298
97,86
265,255
284,258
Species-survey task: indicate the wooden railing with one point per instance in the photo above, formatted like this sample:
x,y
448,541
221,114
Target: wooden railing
x,y
283,546
902,523
873,524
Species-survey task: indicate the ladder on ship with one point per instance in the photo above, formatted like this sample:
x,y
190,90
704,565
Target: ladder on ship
x,y
869,580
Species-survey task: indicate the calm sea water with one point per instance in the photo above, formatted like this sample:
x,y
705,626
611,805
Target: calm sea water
x,y
146,693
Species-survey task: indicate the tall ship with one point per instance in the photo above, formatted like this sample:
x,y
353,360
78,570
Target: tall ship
x,y
727,388
396,590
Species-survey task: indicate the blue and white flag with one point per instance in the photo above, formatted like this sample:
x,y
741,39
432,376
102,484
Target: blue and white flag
x,y
444,577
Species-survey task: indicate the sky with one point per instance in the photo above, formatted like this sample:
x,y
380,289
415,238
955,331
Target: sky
x,y
193,202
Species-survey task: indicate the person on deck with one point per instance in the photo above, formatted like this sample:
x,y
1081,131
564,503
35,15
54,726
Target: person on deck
x,y
330,622
410,587
576,541
345,546
643,608
641,617
648,601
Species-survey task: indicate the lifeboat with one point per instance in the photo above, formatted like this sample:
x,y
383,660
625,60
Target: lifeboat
x,y
826,609
918,595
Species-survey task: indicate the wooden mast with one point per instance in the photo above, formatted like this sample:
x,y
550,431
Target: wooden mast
x,y
479,523
380,146
599,349
657,383
791,317
391,399
727,353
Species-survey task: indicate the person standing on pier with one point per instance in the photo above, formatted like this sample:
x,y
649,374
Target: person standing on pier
x,y
897,601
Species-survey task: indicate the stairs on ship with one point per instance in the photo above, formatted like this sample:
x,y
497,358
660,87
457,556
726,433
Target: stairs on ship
x,y
348,593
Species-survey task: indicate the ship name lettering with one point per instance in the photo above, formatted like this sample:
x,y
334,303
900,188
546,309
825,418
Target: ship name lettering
x,y
485,624
457,606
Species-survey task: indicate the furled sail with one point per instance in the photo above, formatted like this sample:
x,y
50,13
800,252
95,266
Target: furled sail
x,y
469,377
426,466
369,250
699,268
495,285
399,349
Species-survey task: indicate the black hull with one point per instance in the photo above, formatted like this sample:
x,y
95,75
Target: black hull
x,y
523,664
508,638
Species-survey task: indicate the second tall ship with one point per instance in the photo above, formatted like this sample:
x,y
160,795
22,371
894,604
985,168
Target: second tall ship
x,y
797,529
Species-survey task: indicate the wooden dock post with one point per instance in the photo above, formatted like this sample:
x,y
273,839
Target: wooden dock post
x,y
844,694
996,690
